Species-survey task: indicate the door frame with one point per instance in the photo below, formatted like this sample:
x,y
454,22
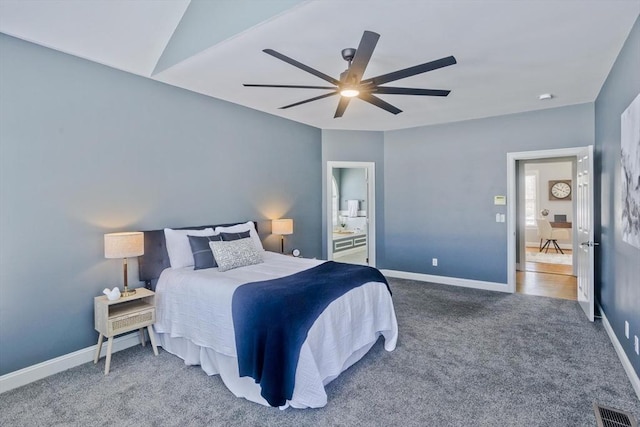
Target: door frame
x,y
371,206
512,202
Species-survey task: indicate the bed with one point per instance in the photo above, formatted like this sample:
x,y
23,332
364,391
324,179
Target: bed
x,y
195,320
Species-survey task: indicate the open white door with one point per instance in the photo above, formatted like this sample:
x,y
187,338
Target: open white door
x,y
584,230
583,193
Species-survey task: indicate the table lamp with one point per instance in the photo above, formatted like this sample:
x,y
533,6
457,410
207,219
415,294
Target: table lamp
x,y
282,227
124,245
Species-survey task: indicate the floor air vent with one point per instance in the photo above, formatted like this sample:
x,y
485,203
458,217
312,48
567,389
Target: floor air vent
x,y
610,417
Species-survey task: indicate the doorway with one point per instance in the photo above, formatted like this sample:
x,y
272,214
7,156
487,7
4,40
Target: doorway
x,y
582,228
546,214
350,216
544,227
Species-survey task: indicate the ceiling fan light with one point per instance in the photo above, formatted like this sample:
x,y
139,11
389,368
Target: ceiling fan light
x,y
349,92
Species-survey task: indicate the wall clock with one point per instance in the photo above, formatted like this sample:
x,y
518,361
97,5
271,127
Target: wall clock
x,y
560,189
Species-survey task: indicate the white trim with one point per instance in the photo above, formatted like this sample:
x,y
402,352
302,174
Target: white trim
x,y
42,370
626,363
454,281
512,201
53,366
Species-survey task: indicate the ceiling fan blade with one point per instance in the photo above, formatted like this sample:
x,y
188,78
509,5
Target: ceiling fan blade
x,y
300,65
309,100
291,86
410,91
379,103
342,105
363,55
411,71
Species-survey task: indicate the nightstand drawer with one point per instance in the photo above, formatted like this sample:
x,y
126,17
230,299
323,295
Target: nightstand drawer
x,y
129,322
124,314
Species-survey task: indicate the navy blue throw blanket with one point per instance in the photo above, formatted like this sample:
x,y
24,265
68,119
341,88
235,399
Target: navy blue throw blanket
x,y
272,319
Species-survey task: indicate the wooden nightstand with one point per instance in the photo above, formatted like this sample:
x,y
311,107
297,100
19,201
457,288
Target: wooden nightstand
x,y
126,314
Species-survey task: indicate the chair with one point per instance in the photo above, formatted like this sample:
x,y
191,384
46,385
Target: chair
x,y
551,235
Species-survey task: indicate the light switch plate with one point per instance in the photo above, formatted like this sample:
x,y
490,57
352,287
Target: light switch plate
x,y
626,329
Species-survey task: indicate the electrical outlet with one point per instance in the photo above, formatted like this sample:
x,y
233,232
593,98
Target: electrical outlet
x,y
626,329
434,262
637,345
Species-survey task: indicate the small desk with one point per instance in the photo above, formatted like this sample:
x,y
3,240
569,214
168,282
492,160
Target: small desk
x,y
560,224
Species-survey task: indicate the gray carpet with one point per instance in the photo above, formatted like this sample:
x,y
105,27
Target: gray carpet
x,y
464,358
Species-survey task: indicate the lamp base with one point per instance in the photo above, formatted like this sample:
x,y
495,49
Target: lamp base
x,y
127,292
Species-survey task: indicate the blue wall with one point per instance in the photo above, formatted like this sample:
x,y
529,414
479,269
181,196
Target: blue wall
x,y
436,186
86,150
619,287
440,182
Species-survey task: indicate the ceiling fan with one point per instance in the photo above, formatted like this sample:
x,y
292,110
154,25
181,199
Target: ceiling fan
x,y
351,85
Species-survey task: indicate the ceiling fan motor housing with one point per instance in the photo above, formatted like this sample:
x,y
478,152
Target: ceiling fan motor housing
x,y
348,54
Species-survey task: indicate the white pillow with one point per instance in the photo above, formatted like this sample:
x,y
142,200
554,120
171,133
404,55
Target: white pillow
x,y
239,228
235,253
178,247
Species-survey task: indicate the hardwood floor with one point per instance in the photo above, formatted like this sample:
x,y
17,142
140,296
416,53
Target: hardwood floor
x,y
548,280
542,267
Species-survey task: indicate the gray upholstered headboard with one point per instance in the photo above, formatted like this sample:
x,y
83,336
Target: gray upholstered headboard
x,y
156,258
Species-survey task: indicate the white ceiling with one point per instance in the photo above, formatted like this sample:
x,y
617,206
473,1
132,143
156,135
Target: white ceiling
x,y
508,51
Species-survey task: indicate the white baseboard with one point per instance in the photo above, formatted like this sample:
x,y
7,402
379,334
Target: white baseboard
x,y
42,370
454,281
36,372
626,363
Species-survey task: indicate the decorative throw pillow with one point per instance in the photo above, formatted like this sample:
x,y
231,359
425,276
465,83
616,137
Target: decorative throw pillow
x,y
202,255
227,237
178,247
238,228
235,253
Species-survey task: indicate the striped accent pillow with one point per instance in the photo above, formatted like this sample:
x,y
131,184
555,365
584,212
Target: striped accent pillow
x,y
202,255
227,237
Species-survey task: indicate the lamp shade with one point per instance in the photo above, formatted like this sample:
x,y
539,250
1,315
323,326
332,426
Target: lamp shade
x,y
282,226
124,245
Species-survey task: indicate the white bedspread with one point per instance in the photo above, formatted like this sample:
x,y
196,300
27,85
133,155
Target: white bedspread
x,y
194,321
